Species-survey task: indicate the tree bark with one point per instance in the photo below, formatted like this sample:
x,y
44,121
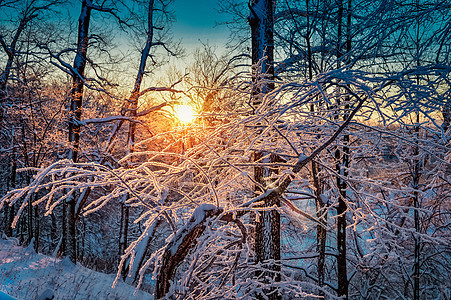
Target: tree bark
x,y
78,75
321,209
53,234
321,231
133,109
416,204
62,245
342,164
179,246
446,113
11,53
36,227
267,231
29,221
140,255
417,169
123,234
12,212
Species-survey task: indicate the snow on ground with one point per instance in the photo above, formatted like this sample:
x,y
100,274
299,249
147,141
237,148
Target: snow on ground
x,y
27,275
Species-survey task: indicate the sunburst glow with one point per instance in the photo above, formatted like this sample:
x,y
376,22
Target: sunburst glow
x,y
184,113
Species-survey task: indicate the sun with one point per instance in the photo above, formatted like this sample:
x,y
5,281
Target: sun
x,y
184,113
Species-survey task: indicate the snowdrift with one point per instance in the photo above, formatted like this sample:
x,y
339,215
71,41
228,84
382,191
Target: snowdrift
x,y
24,274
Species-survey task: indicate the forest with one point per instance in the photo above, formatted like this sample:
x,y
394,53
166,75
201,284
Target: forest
x,y
309,157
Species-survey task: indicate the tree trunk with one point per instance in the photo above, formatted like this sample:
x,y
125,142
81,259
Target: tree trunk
x,y
123,234
75,118
179,246
141,253
53,234
417,168
416,204
121,229
29,221
342,165
9,217
71,247
416,271
22,229
62,245
36,227
321,231
341,245
321,210
81,252
446,113
133,107
11,53
267,231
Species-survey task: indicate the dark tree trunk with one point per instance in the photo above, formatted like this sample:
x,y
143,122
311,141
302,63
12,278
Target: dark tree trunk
x,y
140,256
417,169
133,108
75,118
342,164
416,204
5,220
446,113
261,22
62,247
53,234
71,247
22,229
29,221
11,53
416,271
321,210
11,211
321,231
178,248
36,227
81,251
123,235
342,169
341,245
267,238
267,231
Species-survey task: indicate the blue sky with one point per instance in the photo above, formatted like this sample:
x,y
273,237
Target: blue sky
x,y
196,20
